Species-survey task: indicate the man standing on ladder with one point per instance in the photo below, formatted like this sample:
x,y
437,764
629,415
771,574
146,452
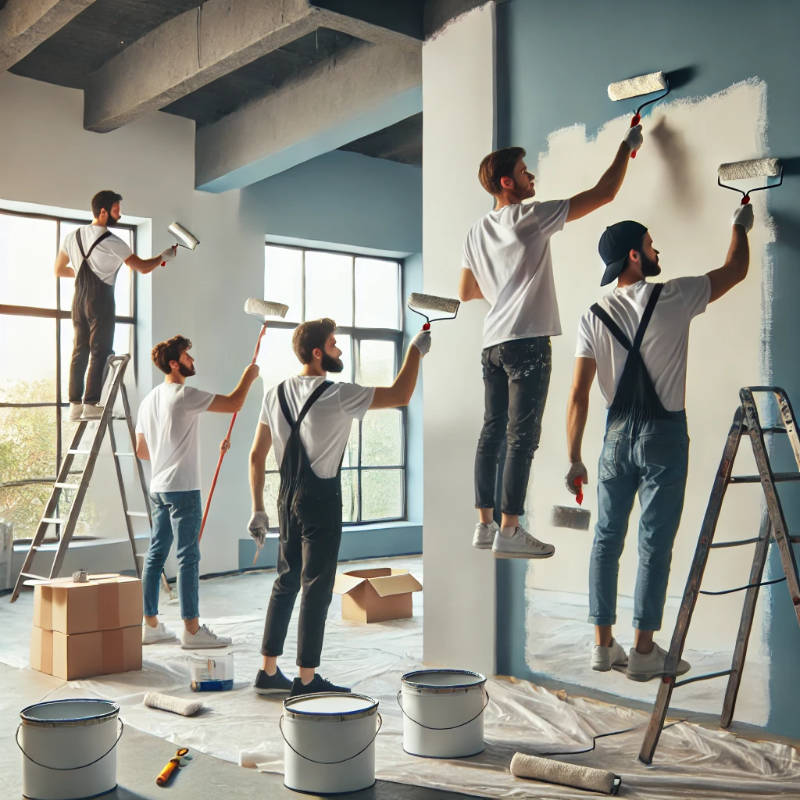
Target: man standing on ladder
x,y
96,255
507,262
308,419
166,435
635,339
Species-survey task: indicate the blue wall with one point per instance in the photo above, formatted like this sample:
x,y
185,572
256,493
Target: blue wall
x,y
555,61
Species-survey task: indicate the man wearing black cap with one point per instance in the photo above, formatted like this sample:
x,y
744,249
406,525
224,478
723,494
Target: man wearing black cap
x,y
635,339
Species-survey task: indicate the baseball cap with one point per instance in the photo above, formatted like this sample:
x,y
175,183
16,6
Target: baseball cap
x,y
615,243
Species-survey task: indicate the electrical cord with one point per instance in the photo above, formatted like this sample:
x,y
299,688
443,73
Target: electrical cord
x,y
742,588
600,736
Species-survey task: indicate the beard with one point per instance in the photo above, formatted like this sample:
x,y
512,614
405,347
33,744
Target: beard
x,y
187,372
331,364
650,267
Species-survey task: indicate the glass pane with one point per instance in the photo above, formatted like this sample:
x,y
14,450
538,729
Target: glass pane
x,y
283,279
27,449
27,363
376,363
27,253
276,358
349,495
383,438
22,506
329,286
383,493
377,293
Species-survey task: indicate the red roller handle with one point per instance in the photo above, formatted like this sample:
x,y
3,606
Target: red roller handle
x,y
745,199
426,326
578,483
637,118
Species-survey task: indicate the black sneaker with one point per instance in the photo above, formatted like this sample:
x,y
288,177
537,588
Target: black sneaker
x,y
271,684
317,684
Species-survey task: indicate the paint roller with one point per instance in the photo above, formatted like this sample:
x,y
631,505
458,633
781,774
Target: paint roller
x,y
549,770
184,237
636,87
177,705
569,516
749,170
422,303
263,309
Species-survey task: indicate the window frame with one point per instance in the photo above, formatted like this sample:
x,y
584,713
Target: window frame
x,y
358,334
58,314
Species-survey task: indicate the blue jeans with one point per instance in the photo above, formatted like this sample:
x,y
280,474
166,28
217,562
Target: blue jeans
x,y
174,513
516,376
649,458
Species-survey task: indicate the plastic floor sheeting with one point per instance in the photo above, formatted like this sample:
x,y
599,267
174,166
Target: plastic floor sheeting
x,y
691,761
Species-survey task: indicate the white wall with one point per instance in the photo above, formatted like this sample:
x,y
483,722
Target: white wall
x,y
458,109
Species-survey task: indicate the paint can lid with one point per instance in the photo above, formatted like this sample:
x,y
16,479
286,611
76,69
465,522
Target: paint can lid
x,y
443,679
330,705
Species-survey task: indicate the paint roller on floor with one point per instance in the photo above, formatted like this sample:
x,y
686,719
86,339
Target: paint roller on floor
x,y
263,309
750,170
549,770
636,87
422,303
177,705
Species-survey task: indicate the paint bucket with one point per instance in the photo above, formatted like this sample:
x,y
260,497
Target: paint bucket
x,y
69,748
329,742
211,673
443,712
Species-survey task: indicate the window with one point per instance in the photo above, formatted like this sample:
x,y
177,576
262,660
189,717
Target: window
x,y
363,295
35,352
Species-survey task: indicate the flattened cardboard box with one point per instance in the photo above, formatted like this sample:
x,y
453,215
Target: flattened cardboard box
x,y
82,655
106,602
375,595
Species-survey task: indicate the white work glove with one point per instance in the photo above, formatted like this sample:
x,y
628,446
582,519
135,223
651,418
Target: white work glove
x,y
168,254
422,341
744,216
633,138
258,527
576,470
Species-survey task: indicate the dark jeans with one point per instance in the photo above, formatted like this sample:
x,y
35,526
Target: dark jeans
x,y
516,376
93,312
311,530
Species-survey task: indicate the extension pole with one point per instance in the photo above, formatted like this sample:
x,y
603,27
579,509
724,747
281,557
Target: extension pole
x,y
227,440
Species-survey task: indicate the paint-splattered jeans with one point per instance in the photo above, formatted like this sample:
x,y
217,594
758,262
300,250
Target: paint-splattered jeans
x,y
650,459
516,376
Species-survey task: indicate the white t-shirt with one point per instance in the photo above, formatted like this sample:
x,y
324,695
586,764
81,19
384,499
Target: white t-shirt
x,y
664,346
105,259
508,252
326,427
167,419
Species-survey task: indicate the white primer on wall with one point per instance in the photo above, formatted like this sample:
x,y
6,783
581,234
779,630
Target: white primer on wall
x,y
458,108
672,188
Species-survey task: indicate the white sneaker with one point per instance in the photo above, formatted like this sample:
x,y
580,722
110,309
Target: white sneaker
x,y
483,538
518,543
75,411
159,633
644,666
92,411
606,658
204,637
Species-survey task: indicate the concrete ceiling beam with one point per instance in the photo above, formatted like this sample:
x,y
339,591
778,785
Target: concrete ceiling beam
x,y
25,24
364,89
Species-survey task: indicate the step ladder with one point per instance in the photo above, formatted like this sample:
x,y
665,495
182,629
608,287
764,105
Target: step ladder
x,y
73,481
773,528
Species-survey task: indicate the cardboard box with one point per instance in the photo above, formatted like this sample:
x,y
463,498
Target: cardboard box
x,y
375,595
82,655
106,602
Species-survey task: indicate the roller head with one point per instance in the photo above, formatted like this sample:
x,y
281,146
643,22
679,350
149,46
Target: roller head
x,y
430,302
264,308
549,770
753,168
641,84
570,517
185,239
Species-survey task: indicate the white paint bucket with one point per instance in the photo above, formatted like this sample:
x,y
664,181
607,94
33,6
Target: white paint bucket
x,y
329,742
69,748
443,712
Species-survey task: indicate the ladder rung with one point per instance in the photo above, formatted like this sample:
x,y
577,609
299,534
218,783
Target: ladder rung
x,y
37,577
136,513
794,539
777,476
774,429
119,416
66,485
705,677
736,542
53,520
123,454
79,452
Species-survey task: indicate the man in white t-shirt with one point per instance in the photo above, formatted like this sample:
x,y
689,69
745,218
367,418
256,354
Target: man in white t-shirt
x,y
308,420
507,262
635,339
96,255
166,435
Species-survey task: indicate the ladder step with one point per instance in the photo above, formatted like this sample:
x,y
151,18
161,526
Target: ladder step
x,y
79,452
136,513
124,454
777,476
735,542
36,577
705,677
66,485
774,429
53,520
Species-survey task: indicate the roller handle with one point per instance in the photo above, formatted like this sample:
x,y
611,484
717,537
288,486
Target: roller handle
x,y
426,326
637,118
166,773
578,484
745,199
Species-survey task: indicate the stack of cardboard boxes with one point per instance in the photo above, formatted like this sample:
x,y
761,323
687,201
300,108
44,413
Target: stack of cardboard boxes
x,y
85,629
376,595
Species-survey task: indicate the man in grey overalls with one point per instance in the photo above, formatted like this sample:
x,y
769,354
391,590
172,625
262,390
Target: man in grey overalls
x,y
308,420
635,339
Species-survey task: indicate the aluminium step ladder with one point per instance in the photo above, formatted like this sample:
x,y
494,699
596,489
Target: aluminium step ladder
x,y
74,491
746,422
